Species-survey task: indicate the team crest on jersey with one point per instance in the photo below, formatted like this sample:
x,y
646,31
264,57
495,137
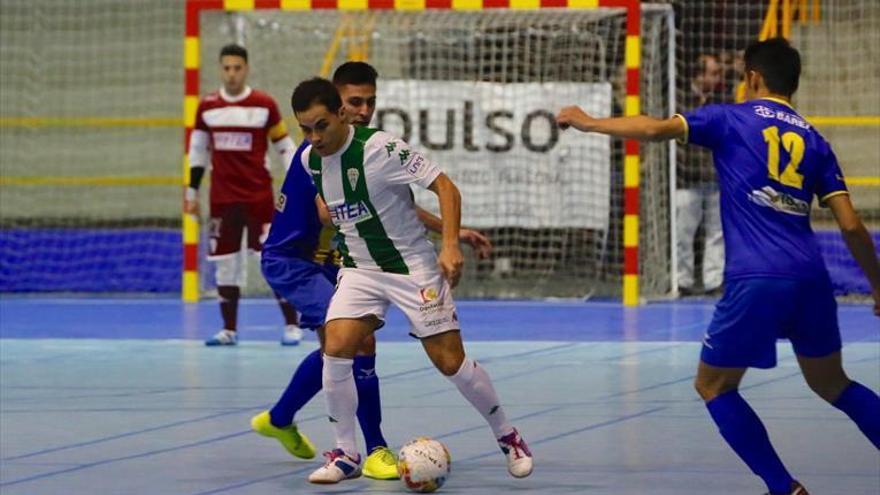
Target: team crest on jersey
x,y
281,202
353,176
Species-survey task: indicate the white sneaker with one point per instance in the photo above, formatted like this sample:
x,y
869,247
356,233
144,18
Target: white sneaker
x,y
519,458
223,337
292,335
339,466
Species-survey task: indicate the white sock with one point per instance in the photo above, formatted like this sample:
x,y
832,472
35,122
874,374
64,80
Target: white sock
x,y
475,385
341,396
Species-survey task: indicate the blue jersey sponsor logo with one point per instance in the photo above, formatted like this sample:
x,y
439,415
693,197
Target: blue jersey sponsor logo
x,y
780,201
781,115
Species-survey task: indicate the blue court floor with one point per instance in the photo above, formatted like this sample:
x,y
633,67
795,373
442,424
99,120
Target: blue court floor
x,y
119,396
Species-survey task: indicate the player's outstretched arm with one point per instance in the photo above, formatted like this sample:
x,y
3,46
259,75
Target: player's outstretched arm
x,y
639,127
481,244
450,258
859,242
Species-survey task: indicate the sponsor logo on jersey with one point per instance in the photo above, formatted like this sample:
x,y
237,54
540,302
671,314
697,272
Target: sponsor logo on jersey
x,y
769,113
431,302
415,164
428,294
436,322
353,176
349,212
281,202
765,112
233,141
779,201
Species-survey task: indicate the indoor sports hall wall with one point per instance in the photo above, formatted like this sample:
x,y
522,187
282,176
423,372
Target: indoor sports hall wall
x,y
91,131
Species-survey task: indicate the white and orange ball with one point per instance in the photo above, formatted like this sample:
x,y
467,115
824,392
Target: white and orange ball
x,y
424,464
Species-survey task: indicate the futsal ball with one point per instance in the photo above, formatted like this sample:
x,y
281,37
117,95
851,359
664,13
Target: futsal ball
x,y
424,464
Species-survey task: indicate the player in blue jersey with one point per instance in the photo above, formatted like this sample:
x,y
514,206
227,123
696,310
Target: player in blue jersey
x,y
288,266
771,163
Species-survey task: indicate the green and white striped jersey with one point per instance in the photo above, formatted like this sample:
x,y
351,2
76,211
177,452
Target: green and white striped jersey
x,y
366,185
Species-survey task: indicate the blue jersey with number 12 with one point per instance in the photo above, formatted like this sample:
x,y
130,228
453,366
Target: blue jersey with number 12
x,y
770,164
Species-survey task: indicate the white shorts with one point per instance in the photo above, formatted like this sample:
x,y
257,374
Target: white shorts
x,y
424,298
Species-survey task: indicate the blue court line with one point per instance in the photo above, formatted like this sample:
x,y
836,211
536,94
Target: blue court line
x,y
53,358
237,434
417,372
125,458
481,426
595,426
751,386
257,480
234,412
101,396
647,351
649,387
771,380
538,370
495,379
117,409
865,360
124,435
147,430
312,467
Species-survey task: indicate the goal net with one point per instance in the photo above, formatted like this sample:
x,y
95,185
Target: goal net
x,y
90,146
90,128
477,93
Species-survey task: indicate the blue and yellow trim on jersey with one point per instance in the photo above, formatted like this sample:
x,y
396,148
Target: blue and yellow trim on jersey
x,y
823,201
777,100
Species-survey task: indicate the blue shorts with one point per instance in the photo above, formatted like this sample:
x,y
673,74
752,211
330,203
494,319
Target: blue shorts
x,y
754,312
304,283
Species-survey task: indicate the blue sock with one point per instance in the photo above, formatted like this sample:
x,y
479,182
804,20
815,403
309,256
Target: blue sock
x,y
862,406
305,384
744,432
369,411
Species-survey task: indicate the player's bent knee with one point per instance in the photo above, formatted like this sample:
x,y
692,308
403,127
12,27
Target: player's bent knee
x,y
708,389
829,389
343,337
368,346
446,351
448,362
704,390
448,367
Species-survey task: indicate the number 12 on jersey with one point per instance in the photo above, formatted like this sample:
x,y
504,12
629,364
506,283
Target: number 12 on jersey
x,y
794,145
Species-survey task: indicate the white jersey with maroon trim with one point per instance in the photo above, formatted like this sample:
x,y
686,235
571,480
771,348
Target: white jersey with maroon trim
x,y
240,129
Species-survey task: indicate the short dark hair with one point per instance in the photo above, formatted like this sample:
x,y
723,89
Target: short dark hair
x,y
234,50
778,62
357,73
315,91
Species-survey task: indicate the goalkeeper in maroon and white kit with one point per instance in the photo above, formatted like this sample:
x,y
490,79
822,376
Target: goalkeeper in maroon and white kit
x,y
233,129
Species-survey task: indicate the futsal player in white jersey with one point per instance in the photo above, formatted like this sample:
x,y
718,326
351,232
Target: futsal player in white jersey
x,y
363,178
